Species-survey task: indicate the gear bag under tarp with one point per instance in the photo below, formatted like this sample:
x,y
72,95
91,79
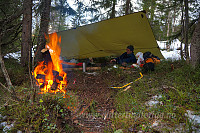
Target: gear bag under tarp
x,y
150,61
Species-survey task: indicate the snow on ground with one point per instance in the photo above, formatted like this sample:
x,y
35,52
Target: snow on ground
x,y
174,54
15,55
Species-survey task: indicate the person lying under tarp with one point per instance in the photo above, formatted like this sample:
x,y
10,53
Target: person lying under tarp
x,y
126,57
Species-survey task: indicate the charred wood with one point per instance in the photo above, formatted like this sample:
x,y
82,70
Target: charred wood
x,y
54,85
55,73
40,76
60,78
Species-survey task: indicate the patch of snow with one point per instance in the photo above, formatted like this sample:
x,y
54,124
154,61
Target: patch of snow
x,y
155,123
174,54
157,97
15,55
154,101
7,128
174,44
151,103
161,44
195,119
3,124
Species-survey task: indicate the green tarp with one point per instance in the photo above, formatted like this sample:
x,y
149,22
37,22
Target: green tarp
x,y
110,37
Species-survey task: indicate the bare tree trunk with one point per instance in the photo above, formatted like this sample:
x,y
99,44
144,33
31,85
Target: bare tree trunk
x,y
44,23
195,46
127,10
113,9
168,28
174,19
168,23
26,33
153,6
182,31
186,30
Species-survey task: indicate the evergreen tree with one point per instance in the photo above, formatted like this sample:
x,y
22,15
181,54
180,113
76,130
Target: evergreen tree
x,y
108,6
78,19
60,11
83,13
10,26
10,29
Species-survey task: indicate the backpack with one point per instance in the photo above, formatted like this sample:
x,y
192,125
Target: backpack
x,y
149,61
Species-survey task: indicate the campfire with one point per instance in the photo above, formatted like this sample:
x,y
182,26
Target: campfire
x,y
49,74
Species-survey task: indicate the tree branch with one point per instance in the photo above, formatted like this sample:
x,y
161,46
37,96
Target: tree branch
x,y
13,39
11,18
15,47
11,29
4,12
5,87
14,27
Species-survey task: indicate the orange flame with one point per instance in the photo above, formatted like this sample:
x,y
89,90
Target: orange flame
x,y
46,70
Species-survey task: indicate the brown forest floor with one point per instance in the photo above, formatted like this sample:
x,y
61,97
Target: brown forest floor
x,y
94,89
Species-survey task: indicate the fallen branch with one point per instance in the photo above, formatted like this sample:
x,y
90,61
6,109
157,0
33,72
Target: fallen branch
x,y
4,87
10,87
128,87
3,68
87,68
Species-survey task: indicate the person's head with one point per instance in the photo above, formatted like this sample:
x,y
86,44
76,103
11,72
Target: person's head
x,y
129,49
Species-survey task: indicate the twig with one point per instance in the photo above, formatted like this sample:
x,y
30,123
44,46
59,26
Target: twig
x,y
4,88
30,74
128,87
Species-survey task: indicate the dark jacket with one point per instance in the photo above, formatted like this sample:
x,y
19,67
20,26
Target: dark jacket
x,y
128,58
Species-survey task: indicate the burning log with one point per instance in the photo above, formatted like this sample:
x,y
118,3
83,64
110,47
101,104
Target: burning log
x,y
56,80
40,76
55,73
43,84
49,73
46,56
60,78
